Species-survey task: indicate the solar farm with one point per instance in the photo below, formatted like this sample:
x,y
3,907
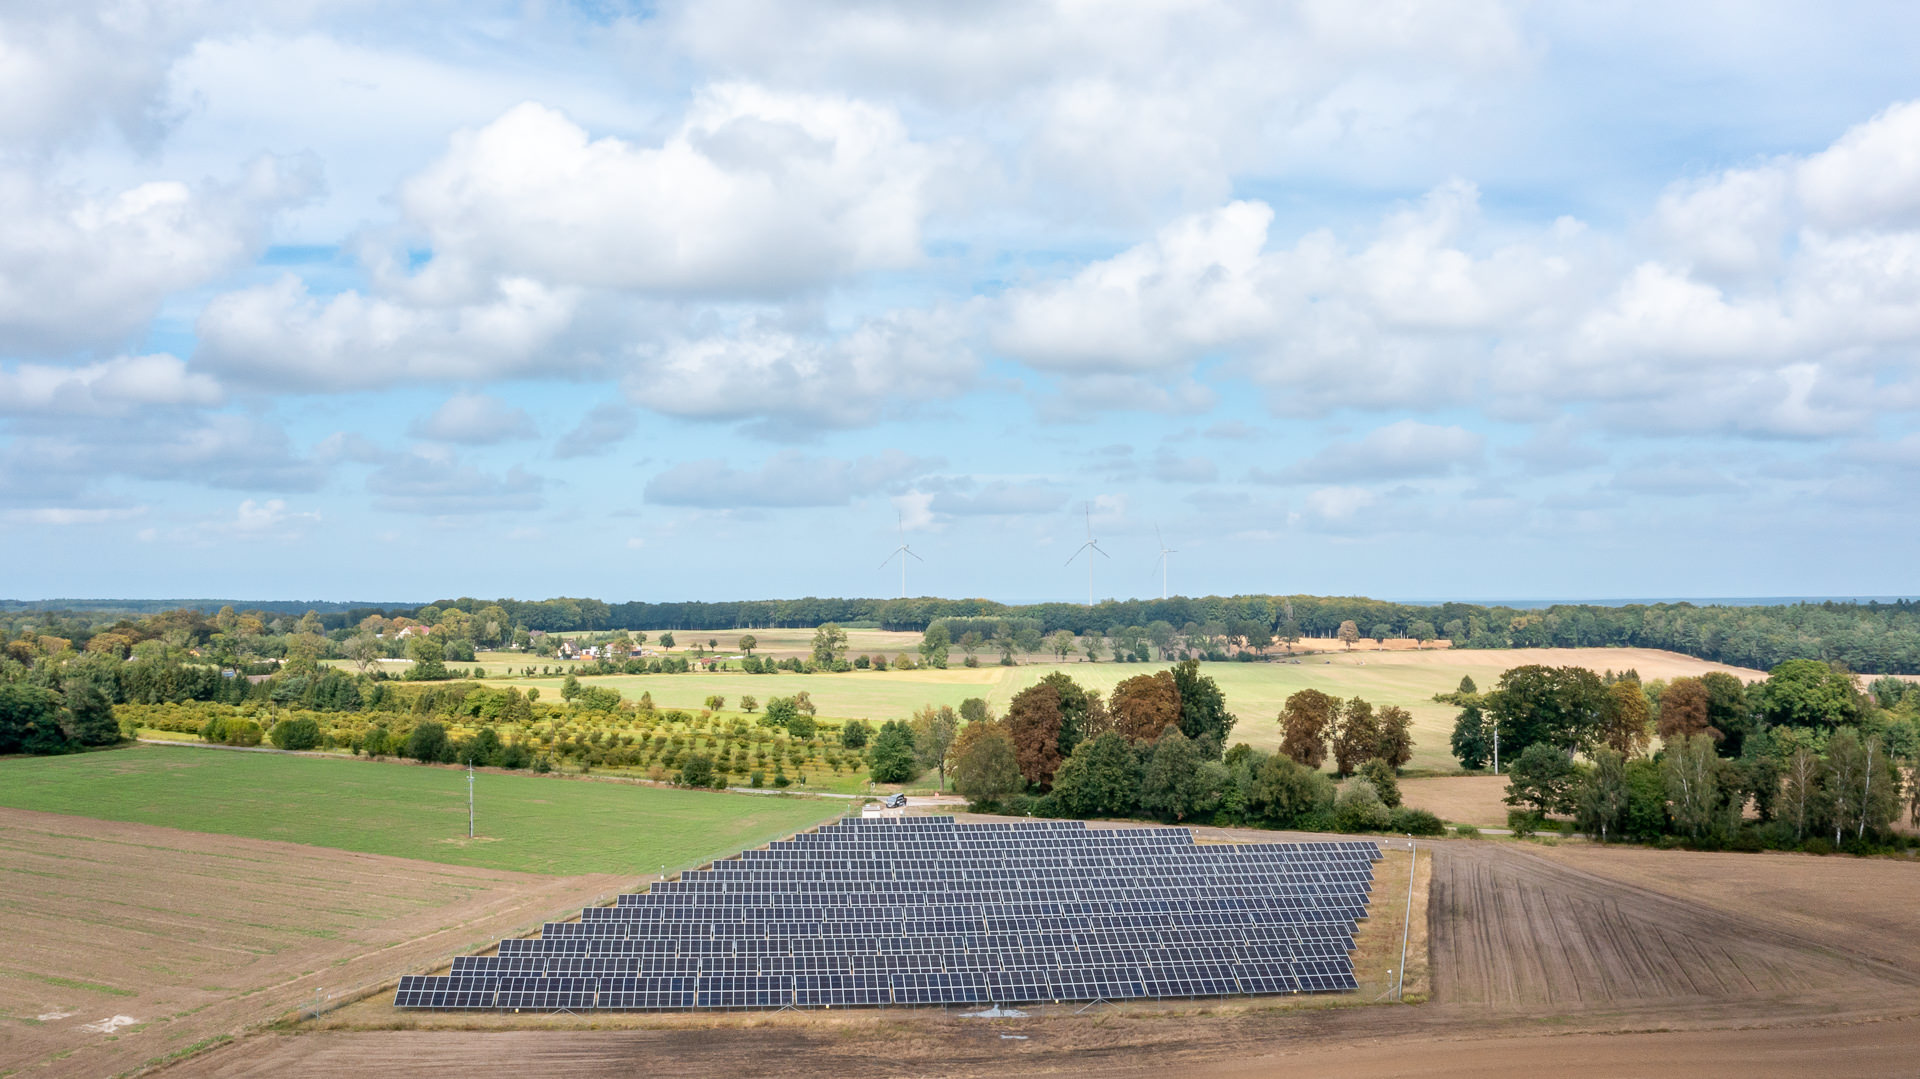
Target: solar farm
x,y
926,912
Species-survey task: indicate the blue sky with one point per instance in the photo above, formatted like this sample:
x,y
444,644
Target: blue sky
x,y
305,298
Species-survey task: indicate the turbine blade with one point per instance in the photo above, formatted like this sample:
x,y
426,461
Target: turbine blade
x,y
916,557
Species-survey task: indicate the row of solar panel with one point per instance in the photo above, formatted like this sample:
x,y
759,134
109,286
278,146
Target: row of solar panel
x,y
613,936
964,893
1038,959
671,919
770,991
882,944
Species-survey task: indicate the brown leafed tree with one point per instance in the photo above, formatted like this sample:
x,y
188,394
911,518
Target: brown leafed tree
x,y
1356,738
1626,720
1033,719
1683,710
1395,743
1305,723
1145,705
1349,633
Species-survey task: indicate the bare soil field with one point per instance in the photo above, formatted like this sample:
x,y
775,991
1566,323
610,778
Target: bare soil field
x,y
1549,961
127,943
1476,800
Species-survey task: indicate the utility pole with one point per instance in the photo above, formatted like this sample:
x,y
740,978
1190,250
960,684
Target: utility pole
x,y
469,799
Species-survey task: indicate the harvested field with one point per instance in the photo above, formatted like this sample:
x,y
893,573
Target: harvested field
x,y
171,938
1476,800
1539,967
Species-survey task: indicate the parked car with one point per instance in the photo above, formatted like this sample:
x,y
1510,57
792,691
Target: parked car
x,y
897,801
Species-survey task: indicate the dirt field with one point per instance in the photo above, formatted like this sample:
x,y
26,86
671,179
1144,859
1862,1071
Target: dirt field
x,y
1475,800
124,943
1545,961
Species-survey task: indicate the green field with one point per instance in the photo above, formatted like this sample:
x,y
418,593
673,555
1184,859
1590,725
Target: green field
x,y
536,824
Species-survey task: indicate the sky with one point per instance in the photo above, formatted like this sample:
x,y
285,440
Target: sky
x,y
338,299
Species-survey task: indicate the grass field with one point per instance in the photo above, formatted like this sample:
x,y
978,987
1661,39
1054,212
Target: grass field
x,y
528,823
1254,691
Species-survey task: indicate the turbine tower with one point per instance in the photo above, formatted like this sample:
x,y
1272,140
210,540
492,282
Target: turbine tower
x,y
1091,545
1164,552
902,552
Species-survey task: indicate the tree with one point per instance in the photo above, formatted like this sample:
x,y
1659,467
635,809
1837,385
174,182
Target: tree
x,y
1557,705
1600,802
1808,693
698,771
30,720
570,688
365,650
891,757
986,768
1728,710
974,710
1348,633
428,742
1203,708
1282,791
1472,741
1542,778
302,733
748,642
1394,743
934,730
1060,643
666,639
1091,646
749,703
1359,808
1800,791
829,644
1626,719
1691,770
1172,786
1076,707
934,646
715,702
1683,711
855,733
1145,705
429,659
1379,773
89,714
1863,785
1033,721
780,712
1356,737
1101,779
1420,630
1306,720
970,643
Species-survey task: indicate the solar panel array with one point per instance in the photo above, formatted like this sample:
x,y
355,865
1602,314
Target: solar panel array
x,y
922,911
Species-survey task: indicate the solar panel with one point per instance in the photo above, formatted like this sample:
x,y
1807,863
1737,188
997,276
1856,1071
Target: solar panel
x,y
925,911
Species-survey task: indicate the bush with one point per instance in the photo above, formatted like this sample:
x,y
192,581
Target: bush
x,y
1380,774
1417,822
1816,845
296,734
1358,808
757,780
1523,822
1466,831
697,772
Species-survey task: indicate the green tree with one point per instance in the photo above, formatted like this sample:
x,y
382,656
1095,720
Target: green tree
x,y
934,730
1600,800
1728,711
302,733
1172,786
428,742
986,766
364,650
1359,808
1541,778
854,733
1379,773
1282,791
1560,706
749,703
1394,742
1356,738
1802,780
974,710
1808,693
1100,779
748,642
829,644
1203,708
1076,707
698,771
934,646
1626,720
1863,786
1161,633
1472,741
891,757
429,659
30,720
89,714
666,639
1060,643
780,712
1691,770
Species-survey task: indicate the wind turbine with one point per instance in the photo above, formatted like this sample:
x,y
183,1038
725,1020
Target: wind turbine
x,y
902,552
1164,552
1091,545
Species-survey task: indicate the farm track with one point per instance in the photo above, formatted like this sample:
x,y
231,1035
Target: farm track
x,y
1539,968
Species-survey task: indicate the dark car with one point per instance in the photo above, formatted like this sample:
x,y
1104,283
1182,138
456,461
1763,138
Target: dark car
x,y
896,801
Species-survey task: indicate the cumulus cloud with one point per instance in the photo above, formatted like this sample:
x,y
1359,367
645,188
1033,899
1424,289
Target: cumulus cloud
x,y
112,387
1403,450
785,480
80,270
998,498
757,191
474,419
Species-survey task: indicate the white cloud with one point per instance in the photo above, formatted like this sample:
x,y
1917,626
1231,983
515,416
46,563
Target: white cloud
x,y
474,419
1870,175
61,516
597,431
88,271
1401,450
998,498
757,191
112,387
439,485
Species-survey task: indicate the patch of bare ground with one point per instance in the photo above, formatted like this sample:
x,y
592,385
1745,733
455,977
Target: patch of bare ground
x,y
128,943
1543,962
1476,800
